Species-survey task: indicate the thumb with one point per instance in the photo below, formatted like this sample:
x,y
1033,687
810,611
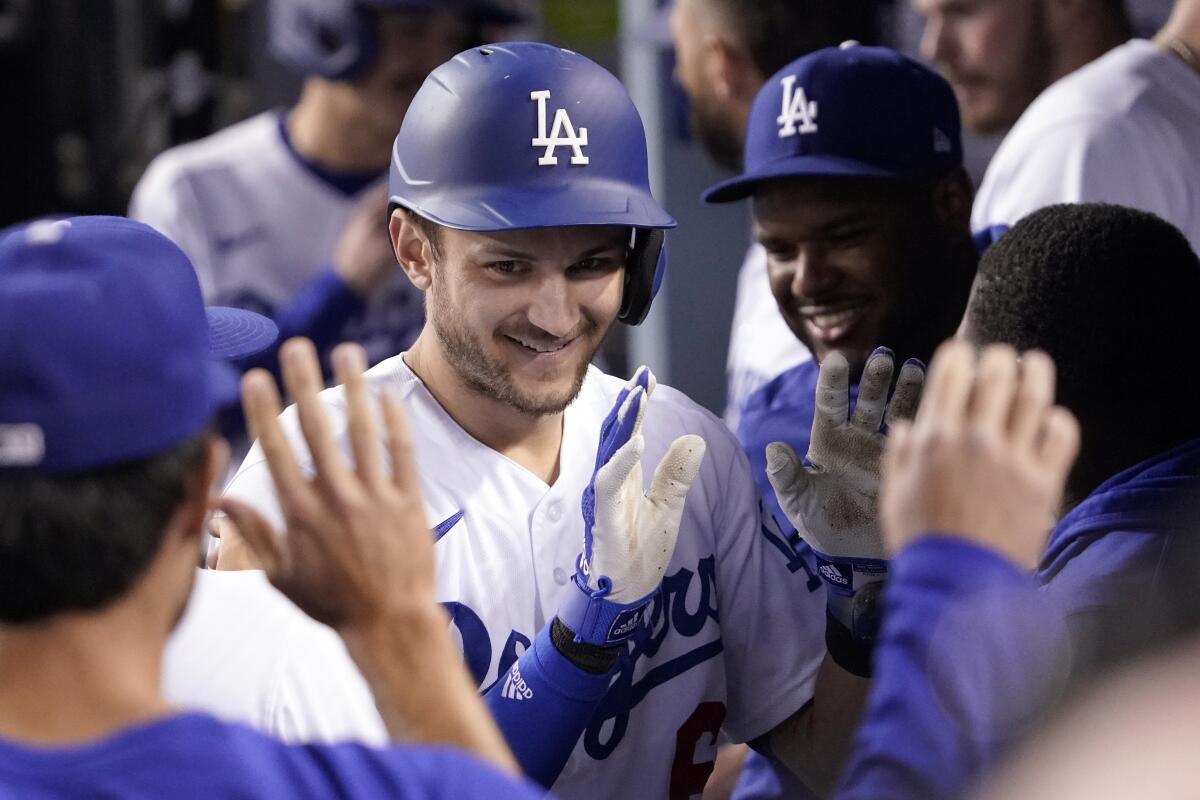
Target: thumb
x,y
788,478
676,472
265,542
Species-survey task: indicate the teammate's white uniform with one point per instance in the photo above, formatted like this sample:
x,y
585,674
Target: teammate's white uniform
x,y
761,345
1124,129
245,653
259,225
737,636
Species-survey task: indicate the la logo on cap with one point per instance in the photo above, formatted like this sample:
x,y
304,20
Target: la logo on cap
x,y
573,140
797,108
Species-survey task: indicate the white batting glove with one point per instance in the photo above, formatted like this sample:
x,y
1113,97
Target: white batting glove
x,y
629,534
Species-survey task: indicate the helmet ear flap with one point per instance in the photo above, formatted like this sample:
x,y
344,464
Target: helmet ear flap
x,y
643,274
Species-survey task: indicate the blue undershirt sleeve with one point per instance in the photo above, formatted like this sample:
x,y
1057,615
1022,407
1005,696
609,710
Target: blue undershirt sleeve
x,y
969,651
319,312
542,704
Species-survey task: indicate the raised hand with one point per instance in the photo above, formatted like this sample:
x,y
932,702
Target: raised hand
x,y
987,456
629,535
833,503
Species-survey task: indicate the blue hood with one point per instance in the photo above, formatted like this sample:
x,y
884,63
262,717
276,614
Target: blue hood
x,y
1152,497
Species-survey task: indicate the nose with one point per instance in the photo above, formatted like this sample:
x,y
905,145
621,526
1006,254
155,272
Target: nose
x,y
552,306
812,274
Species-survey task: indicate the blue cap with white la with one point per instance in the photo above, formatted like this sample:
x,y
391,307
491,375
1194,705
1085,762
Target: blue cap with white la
x,y
850,111
106,351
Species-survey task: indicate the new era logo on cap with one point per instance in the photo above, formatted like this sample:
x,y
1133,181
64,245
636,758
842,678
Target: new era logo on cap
x,y
21,445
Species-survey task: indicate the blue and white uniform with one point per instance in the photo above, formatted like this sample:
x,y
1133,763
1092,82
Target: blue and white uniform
x,y
260,225
733,642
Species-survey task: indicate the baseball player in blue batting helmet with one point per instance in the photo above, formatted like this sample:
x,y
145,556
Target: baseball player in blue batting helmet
x,y
280,212
617,618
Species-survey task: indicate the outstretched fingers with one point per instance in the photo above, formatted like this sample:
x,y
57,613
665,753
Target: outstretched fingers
x,y
302,377
260,401
873,390
832,396
349,363
674,475
907,396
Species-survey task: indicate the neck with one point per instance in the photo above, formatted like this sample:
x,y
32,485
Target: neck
x,y
80,676
533,442
1183,27
1080,48
329,127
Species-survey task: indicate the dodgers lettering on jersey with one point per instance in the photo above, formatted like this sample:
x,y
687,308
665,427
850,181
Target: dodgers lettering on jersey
x,y
734,638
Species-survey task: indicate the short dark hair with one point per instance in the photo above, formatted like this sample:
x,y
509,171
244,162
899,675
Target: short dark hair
x,y
431,230
777,32
79,541
1110,293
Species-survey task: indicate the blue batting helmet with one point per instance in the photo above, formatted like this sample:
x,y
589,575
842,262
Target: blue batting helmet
x,y
523,135
336,38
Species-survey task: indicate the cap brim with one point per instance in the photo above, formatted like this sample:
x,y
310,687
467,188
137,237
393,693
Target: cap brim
x,y
234,333
742,186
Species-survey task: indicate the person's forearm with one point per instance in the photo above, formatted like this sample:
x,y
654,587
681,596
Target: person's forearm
x,y
816,742
421,687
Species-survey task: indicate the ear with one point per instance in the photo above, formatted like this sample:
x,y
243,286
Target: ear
x,y
412,249
730,70
198,489
952,198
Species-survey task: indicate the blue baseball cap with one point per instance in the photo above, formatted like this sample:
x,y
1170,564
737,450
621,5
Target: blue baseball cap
x,y
106,351
849,111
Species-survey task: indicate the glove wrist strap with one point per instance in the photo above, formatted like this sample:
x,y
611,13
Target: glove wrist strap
x,y
854,608
597,620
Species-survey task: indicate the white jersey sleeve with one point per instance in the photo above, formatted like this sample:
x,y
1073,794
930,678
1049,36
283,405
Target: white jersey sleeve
x,y
1082,159
245,653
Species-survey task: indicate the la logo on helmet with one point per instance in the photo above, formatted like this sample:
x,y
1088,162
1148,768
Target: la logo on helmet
x,y
562,123
796,108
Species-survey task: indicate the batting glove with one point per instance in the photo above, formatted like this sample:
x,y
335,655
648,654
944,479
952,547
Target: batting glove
x,y
833,503
628,534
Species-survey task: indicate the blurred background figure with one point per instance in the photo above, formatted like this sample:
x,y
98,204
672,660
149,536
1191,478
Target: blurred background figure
x,y
282,213
1000,54
724,51
1123,129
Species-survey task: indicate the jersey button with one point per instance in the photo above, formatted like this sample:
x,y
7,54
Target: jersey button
x,y
554,512
560,576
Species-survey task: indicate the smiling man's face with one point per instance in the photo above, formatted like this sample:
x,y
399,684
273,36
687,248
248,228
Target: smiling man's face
x,y
855,264
519,314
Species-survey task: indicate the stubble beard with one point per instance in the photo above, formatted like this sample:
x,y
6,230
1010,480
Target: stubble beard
x,y
717,135
488,376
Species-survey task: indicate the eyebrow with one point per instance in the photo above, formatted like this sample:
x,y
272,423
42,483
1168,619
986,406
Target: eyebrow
x,y
504,251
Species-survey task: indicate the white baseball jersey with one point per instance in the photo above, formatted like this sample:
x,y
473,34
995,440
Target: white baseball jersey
x,y
243,652
259,225
738,635
761,345
1124,129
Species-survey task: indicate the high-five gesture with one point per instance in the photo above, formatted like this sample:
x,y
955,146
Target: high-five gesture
x,y
833,502
987,456
357,553
629,533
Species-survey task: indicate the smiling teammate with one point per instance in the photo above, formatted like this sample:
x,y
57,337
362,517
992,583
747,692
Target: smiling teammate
x,y
521,208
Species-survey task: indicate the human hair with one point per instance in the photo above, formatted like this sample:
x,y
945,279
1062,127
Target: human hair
x,y
777,32
78,541
430,229
1109,293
